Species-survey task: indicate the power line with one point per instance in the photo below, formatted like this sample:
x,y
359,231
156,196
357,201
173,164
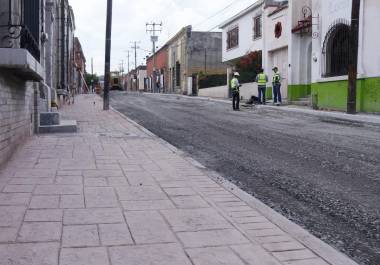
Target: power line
x,y
217,13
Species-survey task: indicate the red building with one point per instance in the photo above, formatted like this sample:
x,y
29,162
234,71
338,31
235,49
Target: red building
x,y
162,76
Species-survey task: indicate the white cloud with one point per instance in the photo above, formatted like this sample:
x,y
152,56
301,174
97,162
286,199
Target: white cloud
x,y
129,18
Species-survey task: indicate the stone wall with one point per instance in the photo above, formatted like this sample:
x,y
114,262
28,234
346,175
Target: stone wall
x,y
16,113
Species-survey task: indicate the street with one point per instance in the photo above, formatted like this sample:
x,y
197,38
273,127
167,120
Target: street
x,y
323,174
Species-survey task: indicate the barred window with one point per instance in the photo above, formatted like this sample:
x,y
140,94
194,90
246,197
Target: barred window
x,y
336,51
257,27
233,38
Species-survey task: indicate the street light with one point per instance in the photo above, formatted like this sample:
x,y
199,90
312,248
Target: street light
x,y
107,66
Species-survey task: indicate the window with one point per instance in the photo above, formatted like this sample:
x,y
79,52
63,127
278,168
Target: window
x,y
178,74
336,51
257,28
31,31
233,38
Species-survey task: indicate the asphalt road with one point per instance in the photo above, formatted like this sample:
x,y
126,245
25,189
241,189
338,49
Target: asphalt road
x,y
322,174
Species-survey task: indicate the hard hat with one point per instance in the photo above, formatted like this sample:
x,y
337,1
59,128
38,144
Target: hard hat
x,y
236,74
275,68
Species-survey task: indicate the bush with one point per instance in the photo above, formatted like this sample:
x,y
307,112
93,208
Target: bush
x,y
249,66
206,81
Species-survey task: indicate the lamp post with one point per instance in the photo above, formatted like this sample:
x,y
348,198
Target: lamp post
x,y
107,66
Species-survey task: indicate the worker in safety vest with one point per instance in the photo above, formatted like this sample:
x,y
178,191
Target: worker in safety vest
x,y
276,87
262,80
235,87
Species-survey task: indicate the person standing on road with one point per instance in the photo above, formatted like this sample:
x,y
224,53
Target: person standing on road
x,y
235,86
262,80
276,87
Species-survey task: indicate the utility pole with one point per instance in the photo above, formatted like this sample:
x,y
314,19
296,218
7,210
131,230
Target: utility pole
x,y
205,60
107,66
135,47
153,28
128,60
92,75
122,73
353,57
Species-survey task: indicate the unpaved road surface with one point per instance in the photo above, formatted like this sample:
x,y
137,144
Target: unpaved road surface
x,y
322,174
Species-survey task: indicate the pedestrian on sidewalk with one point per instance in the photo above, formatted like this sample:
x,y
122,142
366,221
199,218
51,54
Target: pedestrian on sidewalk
x,y
235,86
277,99
262,80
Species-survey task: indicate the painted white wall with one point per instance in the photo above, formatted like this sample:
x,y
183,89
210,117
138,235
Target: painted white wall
x,y
369,40
246,40
214,92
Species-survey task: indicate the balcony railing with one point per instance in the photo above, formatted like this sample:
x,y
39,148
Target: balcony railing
x,y
20,26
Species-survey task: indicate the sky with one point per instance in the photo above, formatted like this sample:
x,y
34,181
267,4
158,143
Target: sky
x,y
129,25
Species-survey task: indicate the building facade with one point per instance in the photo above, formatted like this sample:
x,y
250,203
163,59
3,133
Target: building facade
x,y
160,59
28,67
80,85
191,53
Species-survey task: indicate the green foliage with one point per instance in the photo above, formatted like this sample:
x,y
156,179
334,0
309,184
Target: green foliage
x,y
89,77
206,81
249,66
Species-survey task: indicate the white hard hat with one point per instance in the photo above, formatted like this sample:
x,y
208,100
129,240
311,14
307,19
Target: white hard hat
x,y
236,74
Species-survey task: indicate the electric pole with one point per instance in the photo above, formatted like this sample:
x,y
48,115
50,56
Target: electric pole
x,y
154,28
107,66
135,47
128,59
92,74
353,57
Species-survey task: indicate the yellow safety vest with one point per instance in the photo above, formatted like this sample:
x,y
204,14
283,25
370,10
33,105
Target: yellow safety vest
x,y
234,84
276,78
262,80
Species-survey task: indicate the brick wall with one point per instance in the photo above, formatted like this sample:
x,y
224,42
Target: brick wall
x,y
16,113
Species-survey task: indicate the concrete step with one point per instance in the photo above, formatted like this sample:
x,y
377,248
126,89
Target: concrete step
x,y
49,118
301,102
65,126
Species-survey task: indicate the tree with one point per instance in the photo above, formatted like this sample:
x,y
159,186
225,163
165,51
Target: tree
x,y
89,78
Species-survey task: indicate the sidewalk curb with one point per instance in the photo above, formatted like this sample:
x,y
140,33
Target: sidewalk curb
x,y
322,249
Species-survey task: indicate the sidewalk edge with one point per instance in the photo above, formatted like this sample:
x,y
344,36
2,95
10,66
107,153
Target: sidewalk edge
x,y
322,249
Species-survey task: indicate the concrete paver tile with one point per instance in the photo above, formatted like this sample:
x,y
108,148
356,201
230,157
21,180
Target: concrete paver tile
x,y
103,173
214,256
273,239
49,215
265,232
117,181
195,219
147,205
149,227
100,197
80,236
72,202
140,179
40,232
84,256
76,164
58,190
143,193
44,202
255,255
190,202
69,180
69,172
283,246
31,181
14,199
18,188
212,238
8,234
11,216
179,191
258,226
167,254
317,261
95,182
93,216
29,254
115,234
294,255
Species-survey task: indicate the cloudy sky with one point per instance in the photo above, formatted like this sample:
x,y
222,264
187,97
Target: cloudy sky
x,y
129,18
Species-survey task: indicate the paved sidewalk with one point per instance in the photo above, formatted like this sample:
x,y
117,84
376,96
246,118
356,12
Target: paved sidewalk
x,y
115,194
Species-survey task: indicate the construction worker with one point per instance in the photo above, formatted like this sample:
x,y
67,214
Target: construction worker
x,y
235,86
262,80
276,87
